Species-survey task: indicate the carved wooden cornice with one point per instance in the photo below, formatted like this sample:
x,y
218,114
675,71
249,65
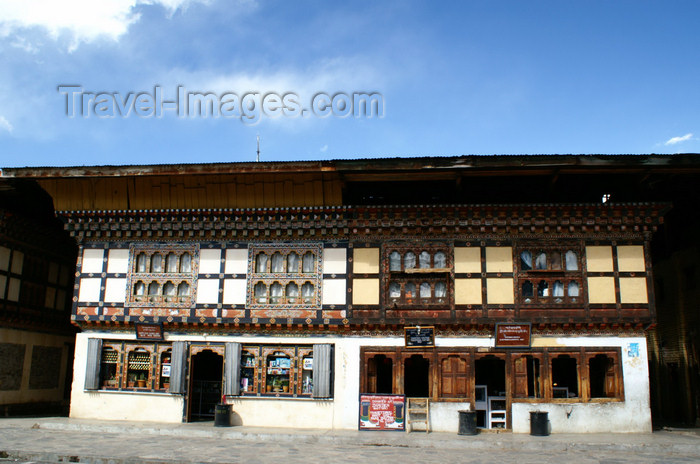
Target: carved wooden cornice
x,y
365,221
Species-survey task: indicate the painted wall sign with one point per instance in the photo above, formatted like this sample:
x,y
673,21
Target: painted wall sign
x,y
513,335
418,337
149,331
382,412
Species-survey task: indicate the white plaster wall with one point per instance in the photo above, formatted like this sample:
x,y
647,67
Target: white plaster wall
x,y
335,261
115,290
631,416
207,291
154,407
89,289
334,291
234,291
236,261
209,261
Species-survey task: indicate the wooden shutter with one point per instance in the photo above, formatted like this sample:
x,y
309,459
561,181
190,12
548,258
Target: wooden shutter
x,y
322,371
177,369
453,377
94,360
610,378
520,377
232,369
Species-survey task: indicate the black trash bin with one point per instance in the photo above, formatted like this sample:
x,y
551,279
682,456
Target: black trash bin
x,y
539,423
467,423
222,415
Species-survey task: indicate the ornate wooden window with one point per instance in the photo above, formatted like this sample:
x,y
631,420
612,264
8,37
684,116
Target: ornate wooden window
x,y
285,275
454,376
162,275
527,375
604,379
550,275
417,276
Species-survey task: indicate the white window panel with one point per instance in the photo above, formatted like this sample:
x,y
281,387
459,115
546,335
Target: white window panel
x,y
17,262
207,291
118,261
115,291
4,258
234,291
89,290
236,261
334,291
92,261
210,261
335,261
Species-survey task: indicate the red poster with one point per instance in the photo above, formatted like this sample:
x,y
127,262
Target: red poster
x,y
382,412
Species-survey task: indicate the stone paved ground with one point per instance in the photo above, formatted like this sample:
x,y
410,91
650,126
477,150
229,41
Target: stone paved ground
x,y
94,442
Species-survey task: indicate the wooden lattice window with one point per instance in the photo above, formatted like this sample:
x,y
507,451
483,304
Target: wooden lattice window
x,y
550,275
417,276
161,275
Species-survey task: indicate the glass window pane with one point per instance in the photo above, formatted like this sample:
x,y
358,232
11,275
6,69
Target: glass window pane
x,y
277,263
395,261
154,288
171,263
440,290
292,292
156,263
186,262
558,289
307,292
556,261
260,293
410,290
571,261
276,293
543,289
183,289
141,263
394,290
440,260
541,261
425,290
139,288
525,261
293,263
409,260
261,263
169,289
424,260
528,290
573,288
308,264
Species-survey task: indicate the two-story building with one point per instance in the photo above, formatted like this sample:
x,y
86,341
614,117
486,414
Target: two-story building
x,y
287,288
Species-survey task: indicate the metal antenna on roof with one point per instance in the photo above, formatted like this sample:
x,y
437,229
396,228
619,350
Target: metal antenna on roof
x,y
258,157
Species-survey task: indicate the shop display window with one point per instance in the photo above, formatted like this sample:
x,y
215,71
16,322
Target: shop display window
x,y
138,368
109,371
276,371
164,369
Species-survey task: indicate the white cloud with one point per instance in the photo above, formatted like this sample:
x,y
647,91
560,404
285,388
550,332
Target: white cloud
x,y
324,149
5,124
82,20
675,140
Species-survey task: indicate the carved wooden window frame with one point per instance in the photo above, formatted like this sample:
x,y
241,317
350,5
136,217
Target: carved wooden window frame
x,y
417,276
267,278
541,283
161,277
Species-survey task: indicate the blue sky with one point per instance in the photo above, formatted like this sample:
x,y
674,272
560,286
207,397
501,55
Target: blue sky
x,y
472,77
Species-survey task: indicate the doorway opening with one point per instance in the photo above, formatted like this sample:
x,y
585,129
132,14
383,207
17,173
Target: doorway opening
x,y
206,377
380,370
490,392
416,379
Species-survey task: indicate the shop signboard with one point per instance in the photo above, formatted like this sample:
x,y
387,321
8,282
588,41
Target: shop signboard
x,y
419,337
382,412
149,331
513,335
